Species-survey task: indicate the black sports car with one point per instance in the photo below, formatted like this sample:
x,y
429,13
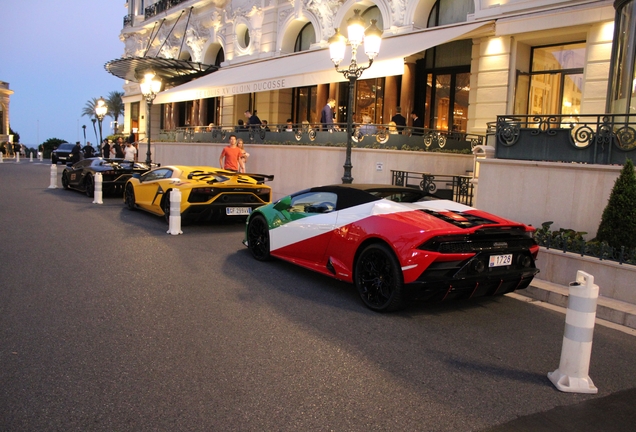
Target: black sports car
x,y
115,173
62,153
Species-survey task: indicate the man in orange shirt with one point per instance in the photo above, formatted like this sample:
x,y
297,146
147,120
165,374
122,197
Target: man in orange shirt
x,y
229,159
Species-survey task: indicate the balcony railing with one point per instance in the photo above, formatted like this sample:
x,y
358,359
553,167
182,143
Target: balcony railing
x,y
160,6
129,20
305,134
594,139
454,188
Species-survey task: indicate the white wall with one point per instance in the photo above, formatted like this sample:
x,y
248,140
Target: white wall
x,y
572,195
299,167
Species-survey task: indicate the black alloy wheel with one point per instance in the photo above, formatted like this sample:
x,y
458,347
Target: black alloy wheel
x,y
258,238
378,278
89,186
129,196
65,179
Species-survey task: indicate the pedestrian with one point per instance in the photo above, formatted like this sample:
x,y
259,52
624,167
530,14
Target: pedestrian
x,y
367,128
266,126
418,124
290,126
75,152
252,119
131,137
243,157
393,128
118,148
88,150
230,155
241,126
326,116
399,119
130,152
106,148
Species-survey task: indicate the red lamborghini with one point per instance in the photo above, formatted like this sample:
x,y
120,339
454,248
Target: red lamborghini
x,y
395,243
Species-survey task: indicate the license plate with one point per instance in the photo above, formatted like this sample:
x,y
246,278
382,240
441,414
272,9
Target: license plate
x,y
238,211
500,260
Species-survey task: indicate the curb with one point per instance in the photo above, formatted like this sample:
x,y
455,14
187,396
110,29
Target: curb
x,y
611,310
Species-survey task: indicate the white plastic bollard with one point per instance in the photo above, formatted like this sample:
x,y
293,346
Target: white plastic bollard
x,y
40,156
572,374
53,184
97,194
1,157
174,221
31,157
17,157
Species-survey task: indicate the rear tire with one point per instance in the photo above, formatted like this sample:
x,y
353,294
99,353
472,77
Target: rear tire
x,y
65,179
89,186
258,238
378,278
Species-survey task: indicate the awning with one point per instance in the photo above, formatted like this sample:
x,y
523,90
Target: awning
x,y
315,67
170,70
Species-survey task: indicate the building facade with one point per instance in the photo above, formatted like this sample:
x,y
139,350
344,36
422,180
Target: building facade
x,y
5,96
456,63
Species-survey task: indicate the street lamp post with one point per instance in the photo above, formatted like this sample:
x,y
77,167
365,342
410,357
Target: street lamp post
x,y
100,112
337,45
150,85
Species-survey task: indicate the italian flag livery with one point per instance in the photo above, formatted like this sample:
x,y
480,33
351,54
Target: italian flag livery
x,y
437,246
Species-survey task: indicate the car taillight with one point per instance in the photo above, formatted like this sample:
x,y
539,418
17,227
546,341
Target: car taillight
x,y
204,191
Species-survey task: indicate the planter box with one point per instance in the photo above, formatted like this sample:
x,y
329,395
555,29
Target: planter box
x,y
616,281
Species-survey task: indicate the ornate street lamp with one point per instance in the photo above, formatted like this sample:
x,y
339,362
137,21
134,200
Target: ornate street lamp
x,y
100,112
337,45
150,85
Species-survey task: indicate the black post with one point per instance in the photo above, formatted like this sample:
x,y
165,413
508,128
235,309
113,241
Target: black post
x,y
347,165
149,107
100,131
84,128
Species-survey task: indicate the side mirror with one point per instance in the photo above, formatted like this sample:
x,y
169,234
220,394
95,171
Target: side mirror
x,y
283,204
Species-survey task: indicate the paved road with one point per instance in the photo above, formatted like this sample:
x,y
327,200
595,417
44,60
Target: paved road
x,y
109,323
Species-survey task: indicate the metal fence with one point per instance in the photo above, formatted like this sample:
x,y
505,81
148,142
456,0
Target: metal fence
x,y
409,139
457,188
597,139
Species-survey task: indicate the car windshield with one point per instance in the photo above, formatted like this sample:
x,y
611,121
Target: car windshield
x,y
65,147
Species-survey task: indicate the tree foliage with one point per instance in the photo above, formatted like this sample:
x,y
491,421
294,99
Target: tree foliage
x,y
618,223
50,144
89,107
115,105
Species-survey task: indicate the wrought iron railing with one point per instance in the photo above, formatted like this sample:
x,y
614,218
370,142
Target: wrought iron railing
x,y
567,240
458,188
304,133
129,20
160,6
598,139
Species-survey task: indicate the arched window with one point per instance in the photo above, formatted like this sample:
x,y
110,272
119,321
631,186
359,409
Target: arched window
x,y
373,13
450,12
306,37
220,57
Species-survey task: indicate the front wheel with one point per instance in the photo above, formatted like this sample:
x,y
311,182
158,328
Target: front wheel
x,y
378,278
129,197
258,238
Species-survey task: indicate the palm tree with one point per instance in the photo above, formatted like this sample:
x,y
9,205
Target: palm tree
x,y
89,108
115,106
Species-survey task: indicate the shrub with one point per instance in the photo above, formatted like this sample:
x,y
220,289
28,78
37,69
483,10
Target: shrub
x,y
618,223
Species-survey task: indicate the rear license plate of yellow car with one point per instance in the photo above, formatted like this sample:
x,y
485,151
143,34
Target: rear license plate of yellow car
x,y
500,260
238,211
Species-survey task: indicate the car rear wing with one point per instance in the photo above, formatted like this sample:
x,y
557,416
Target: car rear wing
x,y
261,178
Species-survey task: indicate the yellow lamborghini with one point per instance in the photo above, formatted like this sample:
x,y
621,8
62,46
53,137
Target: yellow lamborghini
x,y
207,193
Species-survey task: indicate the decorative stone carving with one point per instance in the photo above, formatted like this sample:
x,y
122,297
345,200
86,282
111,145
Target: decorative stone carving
x,y
325,10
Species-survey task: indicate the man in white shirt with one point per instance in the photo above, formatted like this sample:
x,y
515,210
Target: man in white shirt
x,y
129,152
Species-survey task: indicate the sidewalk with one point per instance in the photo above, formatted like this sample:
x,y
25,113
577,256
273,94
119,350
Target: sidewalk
x,y
614,311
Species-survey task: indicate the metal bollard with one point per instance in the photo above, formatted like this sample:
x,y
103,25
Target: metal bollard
x,y
97,193
174,221
53,184
572,374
